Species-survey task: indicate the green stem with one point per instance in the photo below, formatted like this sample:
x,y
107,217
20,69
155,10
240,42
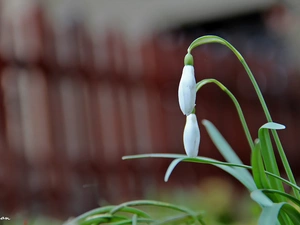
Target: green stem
x,y
235,102
215,39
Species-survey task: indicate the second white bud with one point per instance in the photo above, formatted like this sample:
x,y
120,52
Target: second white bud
x,y
191,136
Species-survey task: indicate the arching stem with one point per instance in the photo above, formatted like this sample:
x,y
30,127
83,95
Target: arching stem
x,y
235,102
215,39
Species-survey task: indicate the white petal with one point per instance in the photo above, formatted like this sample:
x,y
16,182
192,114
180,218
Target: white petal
x,y
191,136
187,90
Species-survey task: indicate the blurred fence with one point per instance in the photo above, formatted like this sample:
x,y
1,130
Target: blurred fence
x,y
73,103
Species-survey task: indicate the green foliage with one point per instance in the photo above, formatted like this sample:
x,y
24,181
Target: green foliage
x,y
258,168
227,152
129,213
270,210
268,155
265,184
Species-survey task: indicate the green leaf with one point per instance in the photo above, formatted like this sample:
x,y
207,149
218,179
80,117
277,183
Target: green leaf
x,y
178,219
102,214
97,219
269,215
258,170
271,211
171,167
293,214
259,197
288,196
268,155
250,185
227,152
224,166
222,144
134,219
155,204
239,176
129,221
228,167
81,218
273,126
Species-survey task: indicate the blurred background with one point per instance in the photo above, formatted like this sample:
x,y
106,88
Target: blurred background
x,y
84,83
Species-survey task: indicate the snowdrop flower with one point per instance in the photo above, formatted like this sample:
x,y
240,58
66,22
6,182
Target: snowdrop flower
x,y
187,90
191,136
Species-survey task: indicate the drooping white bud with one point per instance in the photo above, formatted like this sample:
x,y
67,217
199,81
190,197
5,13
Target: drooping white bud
x,y
187,90
191,136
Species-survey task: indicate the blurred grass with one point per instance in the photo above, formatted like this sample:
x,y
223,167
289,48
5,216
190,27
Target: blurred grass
x,y
221,201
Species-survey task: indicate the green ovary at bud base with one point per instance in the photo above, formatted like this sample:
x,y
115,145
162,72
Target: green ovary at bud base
x,y
188,59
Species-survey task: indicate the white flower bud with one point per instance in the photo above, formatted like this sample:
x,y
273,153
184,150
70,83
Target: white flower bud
x,y
191,136
187,90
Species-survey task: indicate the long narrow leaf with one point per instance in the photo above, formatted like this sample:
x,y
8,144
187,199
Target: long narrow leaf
x,y
268,154
227,167
102,214
259,197
129,221
225,149
269,215
206,160
222,145
134,219
178,219
258,170
98,219
271,211
171,167
239,176
156,204
288,196
293,214
101,210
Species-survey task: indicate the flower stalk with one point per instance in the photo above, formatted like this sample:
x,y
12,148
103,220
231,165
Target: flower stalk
x,y
235,102
215,39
